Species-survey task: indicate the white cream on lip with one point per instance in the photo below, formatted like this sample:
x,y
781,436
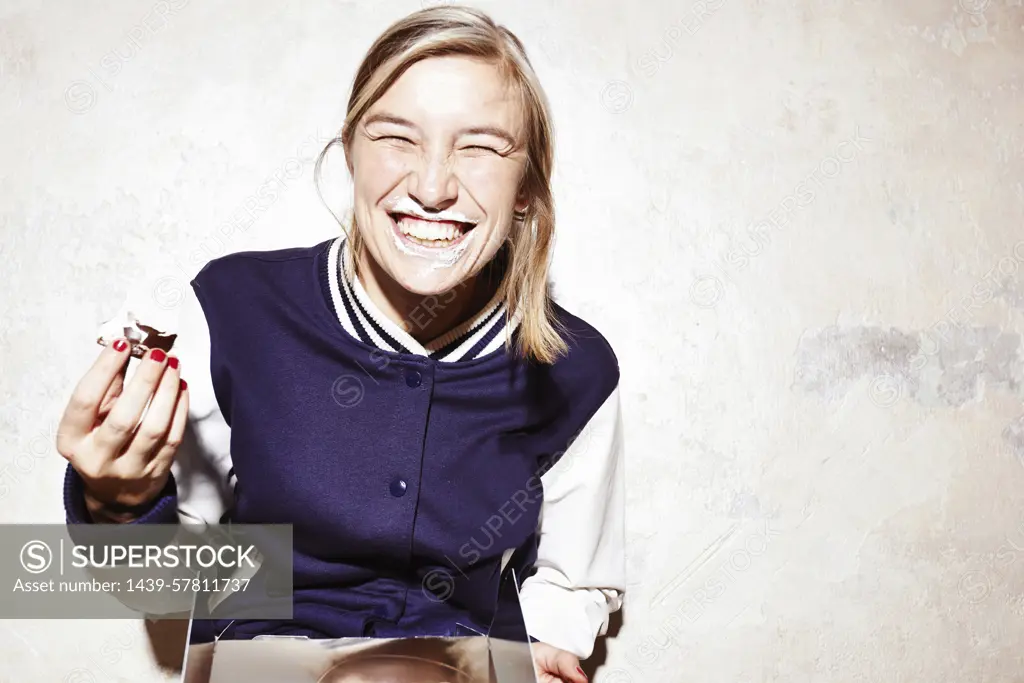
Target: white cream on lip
x,y
439,257
406,205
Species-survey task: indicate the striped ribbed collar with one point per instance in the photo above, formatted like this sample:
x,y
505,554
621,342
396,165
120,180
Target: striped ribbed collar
x,y
359,316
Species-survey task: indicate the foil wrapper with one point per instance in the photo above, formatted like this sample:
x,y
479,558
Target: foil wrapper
x,y
140,336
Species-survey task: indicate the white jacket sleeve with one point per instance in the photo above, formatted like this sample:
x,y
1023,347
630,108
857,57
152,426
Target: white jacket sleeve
x,y
581,565
202,466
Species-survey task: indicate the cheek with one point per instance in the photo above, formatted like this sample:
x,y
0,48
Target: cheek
x,y
378,173
497,238
494,185
393,164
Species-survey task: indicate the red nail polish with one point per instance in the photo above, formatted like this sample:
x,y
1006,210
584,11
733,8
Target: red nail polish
x,y
120,345
172,361
184,385
581,672
158,355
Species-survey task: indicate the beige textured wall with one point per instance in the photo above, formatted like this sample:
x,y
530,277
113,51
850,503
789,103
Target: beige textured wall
x,y
798,222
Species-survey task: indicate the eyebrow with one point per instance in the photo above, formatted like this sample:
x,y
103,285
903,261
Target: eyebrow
x,y
474,130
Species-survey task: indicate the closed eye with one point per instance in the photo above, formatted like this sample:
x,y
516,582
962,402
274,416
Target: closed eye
x,y
481,147
394,137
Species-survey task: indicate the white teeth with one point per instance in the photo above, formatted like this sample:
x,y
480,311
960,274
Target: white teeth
x,y
428,230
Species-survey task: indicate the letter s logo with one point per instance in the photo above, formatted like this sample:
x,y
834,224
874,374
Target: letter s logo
x,y
36,557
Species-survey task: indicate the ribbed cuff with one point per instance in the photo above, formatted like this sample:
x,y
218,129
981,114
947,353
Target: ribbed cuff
x,y
163,510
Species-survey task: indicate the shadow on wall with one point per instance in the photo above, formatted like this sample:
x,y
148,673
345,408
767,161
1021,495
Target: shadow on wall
x,y
167,639
600,655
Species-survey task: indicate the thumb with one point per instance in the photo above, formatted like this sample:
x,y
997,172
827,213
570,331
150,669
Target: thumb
x,y
568,666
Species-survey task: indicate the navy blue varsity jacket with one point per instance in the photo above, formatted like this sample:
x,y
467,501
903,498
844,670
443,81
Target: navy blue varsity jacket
x,y
395,466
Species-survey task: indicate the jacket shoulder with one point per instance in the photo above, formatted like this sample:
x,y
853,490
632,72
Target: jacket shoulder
x,y
590,364
240,262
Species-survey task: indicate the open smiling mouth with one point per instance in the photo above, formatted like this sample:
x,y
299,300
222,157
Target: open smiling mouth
x,y
429,233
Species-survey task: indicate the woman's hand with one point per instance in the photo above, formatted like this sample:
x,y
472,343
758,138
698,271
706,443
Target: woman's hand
x,y
123,462
557,666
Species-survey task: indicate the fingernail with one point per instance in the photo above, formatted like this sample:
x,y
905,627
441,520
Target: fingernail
x,y
120,345
158,355
184,385
581,672
172,361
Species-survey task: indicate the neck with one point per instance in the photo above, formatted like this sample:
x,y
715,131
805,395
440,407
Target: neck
x,y
424,317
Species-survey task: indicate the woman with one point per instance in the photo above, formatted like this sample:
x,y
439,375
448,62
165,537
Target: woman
x,y
406,395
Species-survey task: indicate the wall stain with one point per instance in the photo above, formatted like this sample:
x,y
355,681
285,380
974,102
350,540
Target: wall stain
x,y
18,56
935,370
1012,292
1014,437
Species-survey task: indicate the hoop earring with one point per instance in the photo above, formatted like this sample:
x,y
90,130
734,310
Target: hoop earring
x,y
519,216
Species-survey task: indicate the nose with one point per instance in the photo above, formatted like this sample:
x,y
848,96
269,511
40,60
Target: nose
x,y
432,183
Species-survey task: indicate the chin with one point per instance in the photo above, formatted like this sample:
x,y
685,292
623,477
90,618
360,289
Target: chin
x,y
422,283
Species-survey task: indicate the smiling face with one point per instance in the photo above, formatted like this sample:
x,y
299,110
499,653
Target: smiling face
x,y
436,164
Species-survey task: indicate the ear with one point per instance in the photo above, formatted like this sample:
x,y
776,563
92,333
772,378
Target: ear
x,y
522,201
346,149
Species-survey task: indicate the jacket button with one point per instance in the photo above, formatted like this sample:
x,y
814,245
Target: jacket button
x,y
413,378
398,487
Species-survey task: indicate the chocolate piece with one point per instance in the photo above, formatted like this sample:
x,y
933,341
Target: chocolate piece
x,y
141,337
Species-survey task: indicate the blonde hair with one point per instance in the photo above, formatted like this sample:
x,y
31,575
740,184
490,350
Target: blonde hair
x,y
459,30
